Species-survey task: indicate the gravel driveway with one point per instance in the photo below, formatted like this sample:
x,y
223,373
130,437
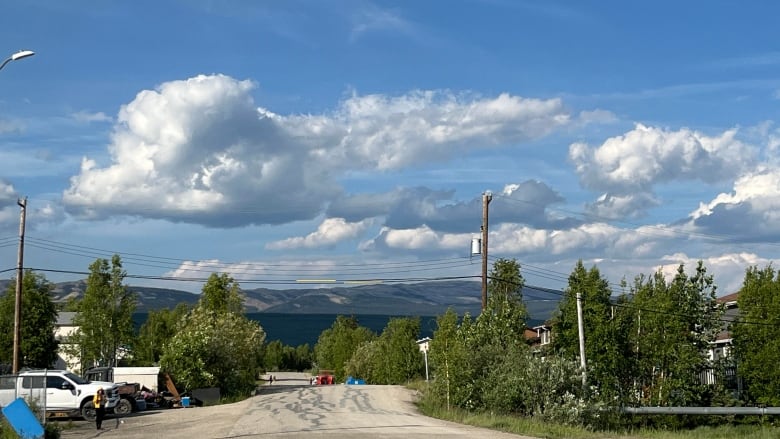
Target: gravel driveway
x,y
291,408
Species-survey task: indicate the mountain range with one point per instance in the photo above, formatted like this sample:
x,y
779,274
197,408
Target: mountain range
x,y
414,299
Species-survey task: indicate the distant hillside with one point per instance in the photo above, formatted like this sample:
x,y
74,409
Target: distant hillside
x,y
420,299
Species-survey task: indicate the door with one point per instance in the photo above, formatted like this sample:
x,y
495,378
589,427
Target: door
x,y
33,390
60,394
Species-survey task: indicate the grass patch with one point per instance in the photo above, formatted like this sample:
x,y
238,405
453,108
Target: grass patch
x,y
548,430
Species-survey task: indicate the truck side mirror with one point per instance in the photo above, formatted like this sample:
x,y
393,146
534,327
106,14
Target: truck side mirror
x,y
66,386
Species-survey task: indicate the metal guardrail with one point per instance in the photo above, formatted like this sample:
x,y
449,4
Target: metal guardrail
x,y
702,410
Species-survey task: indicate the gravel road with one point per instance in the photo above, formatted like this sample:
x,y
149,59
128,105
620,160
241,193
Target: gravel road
x,y
291,408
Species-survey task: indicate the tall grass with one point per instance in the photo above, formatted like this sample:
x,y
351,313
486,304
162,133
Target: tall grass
x,y
547,430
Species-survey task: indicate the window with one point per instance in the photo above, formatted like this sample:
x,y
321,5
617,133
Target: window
x,y
54,382
32,382
8,382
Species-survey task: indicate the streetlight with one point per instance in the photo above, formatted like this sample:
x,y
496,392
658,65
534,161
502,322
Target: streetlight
x,y
424,344
17,56
23,204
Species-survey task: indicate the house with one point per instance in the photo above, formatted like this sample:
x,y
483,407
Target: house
x,y
538,337
721,348
63,329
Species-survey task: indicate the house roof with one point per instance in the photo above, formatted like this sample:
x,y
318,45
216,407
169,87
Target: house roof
x,y
728,298
65,318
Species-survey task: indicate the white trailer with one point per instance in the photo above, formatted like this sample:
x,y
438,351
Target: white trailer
x,y
145,376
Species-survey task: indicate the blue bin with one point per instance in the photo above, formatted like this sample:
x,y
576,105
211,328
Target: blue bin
x,y
185,401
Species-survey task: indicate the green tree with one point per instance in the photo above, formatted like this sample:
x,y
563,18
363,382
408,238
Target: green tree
x,y
401,359
215,350
676,322
304,357
336,345
503,321
37,346
756,335
393,358
497,330
158,329
222,294
273,357
104,315
218,346
449,361
607,343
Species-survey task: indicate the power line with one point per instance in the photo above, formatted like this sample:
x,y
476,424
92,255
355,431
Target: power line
x,y
254,268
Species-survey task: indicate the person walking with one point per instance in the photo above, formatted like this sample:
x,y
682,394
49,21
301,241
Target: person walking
x,y
99,401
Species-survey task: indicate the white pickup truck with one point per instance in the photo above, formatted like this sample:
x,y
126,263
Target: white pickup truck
x,y
59,391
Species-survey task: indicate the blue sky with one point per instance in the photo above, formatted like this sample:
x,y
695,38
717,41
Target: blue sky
x,y
352,140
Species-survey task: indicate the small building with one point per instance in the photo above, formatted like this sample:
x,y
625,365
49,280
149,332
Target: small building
x,y
63,329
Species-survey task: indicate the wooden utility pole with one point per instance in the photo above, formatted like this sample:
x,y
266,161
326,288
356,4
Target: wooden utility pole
x,y
19,273
486,197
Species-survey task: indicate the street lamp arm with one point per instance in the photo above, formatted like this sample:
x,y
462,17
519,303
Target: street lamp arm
x,y
17,56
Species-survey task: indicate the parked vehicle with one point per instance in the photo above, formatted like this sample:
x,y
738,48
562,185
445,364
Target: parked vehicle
x,y
130,381
60,392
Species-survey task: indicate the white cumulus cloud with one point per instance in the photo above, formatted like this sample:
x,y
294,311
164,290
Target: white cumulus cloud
x,y
627,167
330,232
649,155
750,212
201,151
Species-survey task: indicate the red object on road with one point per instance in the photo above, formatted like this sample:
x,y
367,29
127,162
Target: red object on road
x,y
324,377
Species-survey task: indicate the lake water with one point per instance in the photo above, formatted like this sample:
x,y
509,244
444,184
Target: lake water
x,y
298,329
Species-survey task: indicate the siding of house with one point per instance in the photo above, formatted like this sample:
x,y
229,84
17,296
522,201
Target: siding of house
x,y
63,329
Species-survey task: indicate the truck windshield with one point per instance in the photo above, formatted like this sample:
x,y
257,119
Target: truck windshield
x,y
76,379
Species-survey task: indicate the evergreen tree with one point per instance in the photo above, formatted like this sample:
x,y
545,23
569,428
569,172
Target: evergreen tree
x,y
37,345
756,335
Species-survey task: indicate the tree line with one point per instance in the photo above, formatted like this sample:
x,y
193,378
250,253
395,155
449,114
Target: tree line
x,y
646,345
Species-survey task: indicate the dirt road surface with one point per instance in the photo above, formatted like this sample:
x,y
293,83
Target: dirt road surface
x,y
291,408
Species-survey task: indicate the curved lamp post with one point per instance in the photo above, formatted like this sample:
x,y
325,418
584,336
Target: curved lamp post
x,y
17,56
23,203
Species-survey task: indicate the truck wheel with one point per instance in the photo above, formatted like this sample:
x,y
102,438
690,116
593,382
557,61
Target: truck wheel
x,y
123,407
88,411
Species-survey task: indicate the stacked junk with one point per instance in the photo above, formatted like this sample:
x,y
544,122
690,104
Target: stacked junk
x,y
146,387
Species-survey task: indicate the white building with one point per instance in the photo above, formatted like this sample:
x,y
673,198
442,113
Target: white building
x,y
63,329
